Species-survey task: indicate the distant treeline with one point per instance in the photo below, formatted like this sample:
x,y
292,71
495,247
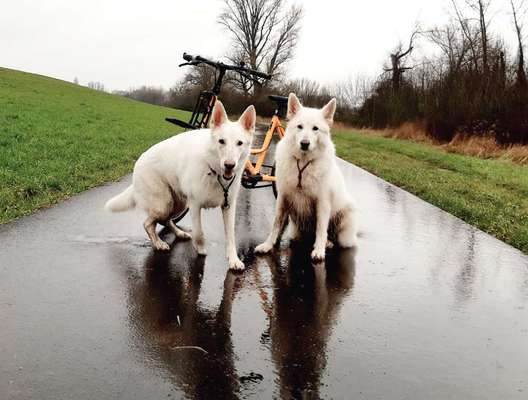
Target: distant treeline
x,y
183,95
473,85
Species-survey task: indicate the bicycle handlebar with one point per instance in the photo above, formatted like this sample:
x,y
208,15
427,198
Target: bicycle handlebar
x,y
194,60
262,75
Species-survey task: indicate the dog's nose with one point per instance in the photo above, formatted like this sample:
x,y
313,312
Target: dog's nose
x,y
305,144
229,165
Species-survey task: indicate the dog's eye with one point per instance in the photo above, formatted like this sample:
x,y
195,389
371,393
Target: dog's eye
x,y
315,128
299,126
221,141
240,143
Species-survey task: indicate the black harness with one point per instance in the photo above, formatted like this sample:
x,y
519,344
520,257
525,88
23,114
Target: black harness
x,y
225,189
301,170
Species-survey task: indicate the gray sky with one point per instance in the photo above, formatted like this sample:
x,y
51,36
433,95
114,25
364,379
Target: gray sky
x,y
128,43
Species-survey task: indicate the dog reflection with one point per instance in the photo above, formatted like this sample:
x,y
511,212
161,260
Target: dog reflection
x,y
166,318
173,328
306,302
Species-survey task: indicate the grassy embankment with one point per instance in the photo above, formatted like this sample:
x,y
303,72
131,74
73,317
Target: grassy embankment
x,y
58,139
489,194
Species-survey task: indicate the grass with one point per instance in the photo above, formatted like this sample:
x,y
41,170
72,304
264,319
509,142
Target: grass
x,y
489,194
58,139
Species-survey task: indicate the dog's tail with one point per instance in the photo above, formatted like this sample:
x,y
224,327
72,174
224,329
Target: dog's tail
x,y
122,202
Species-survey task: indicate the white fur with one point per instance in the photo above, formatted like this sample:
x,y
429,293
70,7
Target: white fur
x,y
175,174
323,196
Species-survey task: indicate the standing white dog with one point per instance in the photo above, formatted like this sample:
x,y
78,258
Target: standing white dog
x,y
311,188
196,169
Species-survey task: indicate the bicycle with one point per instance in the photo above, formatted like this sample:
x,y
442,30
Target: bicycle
x,y
252,172
207,98
252,178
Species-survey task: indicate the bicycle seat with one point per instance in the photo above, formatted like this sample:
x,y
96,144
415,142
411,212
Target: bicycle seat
x,y
278,99
282,105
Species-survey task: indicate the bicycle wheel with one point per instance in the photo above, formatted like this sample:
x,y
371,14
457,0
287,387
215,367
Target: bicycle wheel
x,y
177,218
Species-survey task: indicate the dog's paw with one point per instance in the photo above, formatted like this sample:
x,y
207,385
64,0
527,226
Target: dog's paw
x,y
236,265
318,255
162,246
263,248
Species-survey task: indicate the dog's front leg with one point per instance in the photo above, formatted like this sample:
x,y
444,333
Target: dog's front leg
x,y
281,216
198,240
229,228
321,230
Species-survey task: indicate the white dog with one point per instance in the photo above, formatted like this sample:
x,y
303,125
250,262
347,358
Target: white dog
x,y
196,169
311,188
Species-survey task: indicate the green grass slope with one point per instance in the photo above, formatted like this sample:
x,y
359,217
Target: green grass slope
x,y
58,139
489,194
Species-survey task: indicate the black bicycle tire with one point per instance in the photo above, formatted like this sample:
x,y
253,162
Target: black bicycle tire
x,y
273,183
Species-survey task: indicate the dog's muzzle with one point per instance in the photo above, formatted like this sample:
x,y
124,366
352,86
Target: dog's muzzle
x,y
305,145
229,167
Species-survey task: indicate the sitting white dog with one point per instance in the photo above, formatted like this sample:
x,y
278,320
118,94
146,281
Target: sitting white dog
x,y
311,188
196,169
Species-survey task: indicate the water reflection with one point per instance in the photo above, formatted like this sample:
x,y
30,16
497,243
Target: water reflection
x,y
166,317
465,278
305,306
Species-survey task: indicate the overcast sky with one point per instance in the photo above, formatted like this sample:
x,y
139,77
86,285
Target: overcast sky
x,y
128,43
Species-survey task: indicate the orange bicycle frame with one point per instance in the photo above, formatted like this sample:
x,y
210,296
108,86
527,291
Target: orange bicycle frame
x,y
254,169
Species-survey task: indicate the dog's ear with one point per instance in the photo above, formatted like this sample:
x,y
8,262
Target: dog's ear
x,y
294,105
329,111
219,116
248,119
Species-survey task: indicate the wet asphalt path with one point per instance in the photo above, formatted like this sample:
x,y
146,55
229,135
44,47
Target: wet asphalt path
x,y
427,308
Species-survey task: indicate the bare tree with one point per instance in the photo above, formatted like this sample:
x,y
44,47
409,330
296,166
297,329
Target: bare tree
x,y
453,45
200,76
264,33
398,57
519,8
482,9
241,82
309,91
469,33
476,35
